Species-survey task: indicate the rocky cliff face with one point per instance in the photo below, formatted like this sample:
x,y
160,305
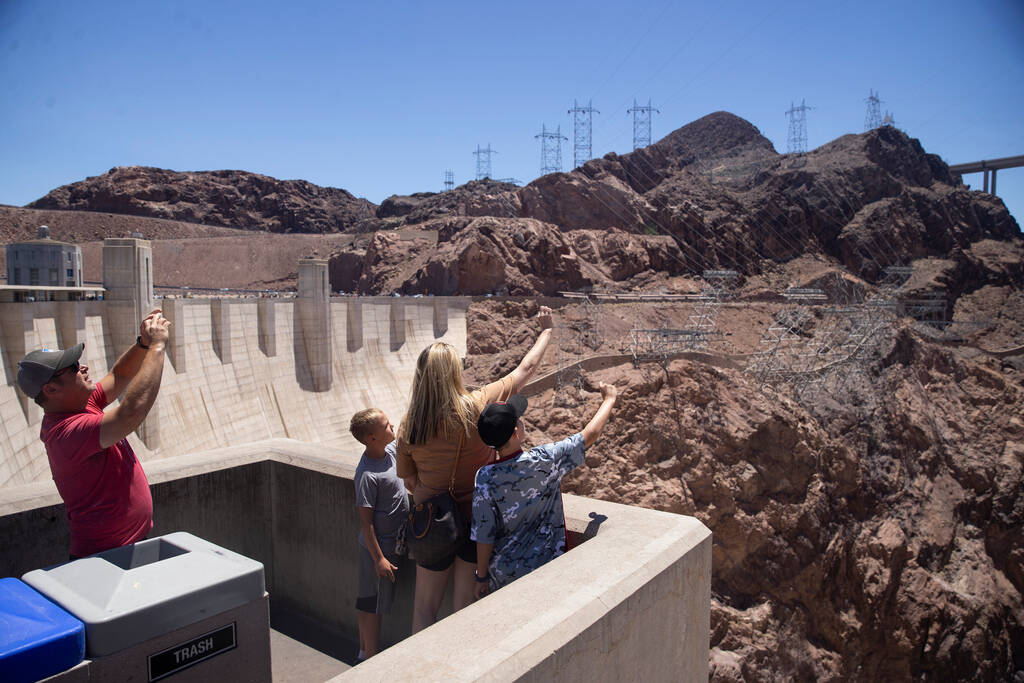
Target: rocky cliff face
x,y
224,198
718,191
500,256
873,535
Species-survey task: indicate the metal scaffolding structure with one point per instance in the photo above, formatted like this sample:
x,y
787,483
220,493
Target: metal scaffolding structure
x,y
825,349
718,287
659,345
819,342
569,383
780,355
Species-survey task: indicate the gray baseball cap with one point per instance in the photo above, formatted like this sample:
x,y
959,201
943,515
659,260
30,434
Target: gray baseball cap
x,y
38,367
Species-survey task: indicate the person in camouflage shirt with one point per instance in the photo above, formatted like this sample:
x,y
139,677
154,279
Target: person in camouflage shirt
x,y
518,523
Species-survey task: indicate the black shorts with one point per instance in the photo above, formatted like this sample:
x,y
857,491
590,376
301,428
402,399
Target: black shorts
x,y
466,551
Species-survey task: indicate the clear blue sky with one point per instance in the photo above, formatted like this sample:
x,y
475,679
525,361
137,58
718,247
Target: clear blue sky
x,y
381,98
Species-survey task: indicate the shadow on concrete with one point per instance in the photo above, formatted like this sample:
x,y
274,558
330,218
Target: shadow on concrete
x,y
110,352
354,325
595,523
313,633
303,371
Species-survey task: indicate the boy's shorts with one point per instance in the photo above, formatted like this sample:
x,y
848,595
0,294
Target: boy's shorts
x,y
376,593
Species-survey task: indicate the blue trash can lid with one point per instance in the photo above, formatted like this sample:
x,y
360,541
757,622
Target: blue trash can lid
x,y
27,618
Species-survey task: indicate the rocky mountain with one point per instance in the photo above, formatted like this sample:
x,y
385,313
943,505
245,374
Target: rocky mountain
x,y
872,534
234,199
722,196
714,194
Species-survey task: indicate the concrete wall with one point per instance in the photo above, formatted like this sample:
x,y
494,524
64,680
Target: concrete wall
x,y
631,603
238,370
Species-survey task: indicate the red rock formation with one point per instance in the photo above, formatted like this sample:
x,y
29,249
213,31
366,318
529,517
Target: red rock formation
x,y
503,256
225,198
873,537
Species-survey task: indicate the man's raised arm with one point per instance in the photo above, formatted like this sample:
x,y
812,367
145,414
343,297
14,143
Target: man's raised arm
x,y
125,367
143,381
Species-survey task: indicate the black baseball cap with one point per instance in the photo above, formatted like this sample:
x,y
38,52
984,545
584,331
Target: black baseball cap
x,y
38,367
498,420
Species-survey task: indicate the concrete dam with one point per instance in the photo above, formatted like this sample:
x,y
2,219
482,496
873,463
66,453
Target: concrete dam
x,y
248,447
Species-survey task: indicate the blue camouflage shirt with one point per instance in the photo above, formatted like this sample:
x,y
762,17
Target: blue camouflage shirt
x,y
517,506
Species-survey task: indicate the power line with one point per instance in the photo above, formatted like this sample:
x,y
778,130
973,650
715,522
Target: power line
x,y
655,23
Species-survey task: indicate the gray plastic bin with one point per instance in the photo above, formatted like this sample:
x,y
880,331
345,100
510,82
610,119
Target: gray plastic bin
x,y
167,602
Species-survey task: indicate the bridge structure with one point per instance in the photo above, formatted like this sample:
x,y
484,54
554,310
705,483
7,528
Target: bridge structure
x,y
987,166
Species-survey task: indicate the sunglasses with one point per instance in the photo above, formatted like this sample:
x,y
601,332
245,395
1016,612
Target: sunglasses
x,y
73,368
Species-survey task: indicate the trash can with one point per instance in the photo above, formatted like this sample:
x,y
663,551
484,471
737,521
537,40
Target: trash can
x,y
174,607
37,638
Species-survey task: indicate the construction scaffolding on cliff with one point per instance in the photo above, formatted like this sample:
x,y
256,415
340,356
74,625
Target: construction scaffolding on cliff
x,y
783,353
718,287
809,356
568,389
660,344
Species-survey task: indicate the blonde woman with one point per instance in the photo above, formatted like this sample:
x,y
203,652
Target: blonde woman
x,y
440,424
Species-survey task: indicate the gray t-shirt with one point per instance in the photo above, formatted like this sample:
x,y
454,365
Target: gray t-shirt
x,y
379,487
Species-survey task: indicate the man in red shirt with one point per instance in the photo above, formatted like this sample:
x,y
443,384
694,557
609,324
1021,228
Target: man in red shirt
x,y
106,494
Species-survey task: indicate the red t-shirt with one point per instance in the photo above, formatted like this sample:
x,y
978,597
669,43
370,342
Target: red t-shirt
x,y
105,491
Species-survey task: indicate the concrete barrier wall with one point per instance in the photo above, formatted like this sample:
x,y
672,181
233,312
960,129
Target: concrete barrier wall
x,y
630,603
238,370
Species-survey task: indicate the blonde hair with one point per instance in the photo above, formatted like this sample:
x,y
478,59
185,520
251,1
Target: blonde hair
x,y
439,406
364,422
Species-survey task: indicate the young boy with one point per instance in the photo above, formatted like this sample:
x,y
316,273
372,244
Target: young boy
x,y
518,523
383,506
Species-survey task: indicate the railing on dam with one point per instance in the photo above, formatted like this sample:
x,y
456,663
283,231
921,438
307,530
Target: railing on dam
x,y
630,602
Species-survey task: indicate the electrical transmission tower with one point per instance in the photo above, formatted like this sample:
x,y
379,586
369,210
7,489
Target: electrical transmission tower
x,y
483,161
449,181
889,120
873,117
550,150
641,124
797,128
582,117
